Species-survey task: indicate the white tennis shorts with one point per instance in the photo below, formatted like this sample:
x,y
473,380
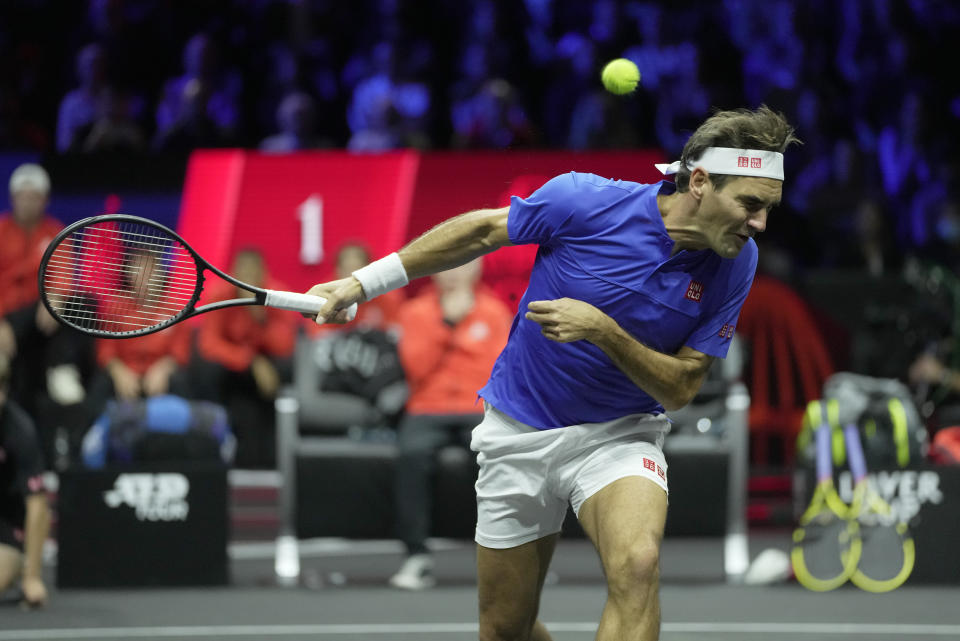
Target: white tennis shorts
x,y
528,476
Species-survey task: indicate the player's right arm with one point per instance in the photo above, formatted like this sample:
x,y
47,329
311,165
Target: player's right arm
x,y
452,243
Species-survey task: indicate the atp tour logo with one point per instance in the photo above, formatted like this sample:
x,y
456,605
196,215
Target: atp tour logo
x,y
154,497
906,491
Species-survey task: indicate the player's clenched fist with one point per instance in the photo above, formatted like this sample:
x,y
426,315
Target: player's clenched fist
x,y
566,320
340,294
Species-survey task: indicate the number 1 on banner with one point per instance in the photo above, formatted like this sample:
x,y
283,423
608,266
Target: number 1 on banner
x,y
310,213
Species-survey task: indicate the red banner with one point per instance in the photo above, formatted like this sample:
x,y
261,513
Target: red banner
x,y
299,208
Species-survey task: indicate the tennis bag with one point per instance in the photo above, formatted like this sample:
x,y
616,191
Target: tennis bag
x,y
892,432
160,428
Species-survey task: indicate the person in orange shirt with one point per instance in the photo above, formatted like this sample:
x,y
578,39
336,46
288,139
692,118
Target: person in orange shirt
x,y
25,233
245,355
380,313
451,336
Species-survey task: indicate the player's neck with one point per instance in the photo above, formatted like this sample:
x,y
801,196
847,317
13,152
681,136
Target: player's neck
x,y
678,212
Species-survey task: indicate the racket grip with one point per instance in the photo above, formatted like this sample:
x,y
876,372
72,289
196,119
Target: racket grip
x,y
824,464
303,303
858,464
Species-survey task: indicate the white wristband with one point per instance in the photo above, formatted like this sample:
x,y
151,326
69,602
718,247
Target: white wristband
x,y
382,276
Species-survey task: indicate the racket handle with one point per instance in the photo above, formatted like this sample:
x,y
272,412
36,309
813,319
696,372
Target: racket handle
x,y
303,303
858,464
824,452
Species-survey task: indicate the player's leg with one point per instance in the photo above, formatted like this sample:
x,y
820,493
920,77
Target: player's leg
x,y
509,583
625,521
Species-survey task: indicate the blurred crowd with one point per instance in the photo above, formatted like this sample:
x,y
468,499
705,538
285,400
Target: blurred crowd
x,y
873,187
876,177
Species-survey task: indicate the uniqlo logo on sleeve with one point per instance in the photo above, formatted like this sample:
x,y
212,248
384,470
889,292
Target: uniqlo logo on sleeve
x,y
726,331
694,291
661,473
755,163
649,464
743,161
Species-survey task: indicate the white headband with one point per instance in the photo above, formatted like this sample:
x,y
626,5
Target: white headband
x,y
734,162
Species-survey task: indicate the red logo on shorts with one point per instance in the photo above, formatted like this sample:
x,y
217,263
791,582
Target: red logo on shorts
x,y
694,291
650,465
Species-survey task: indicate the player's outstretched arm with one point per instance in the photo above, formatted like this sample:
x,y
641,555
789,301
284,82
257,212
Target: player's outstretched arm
x,y
452,243
672,379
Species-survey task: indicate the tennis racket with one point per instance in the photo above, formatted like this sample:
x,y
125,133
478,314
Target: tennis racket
x,y
121,276
887,554
826,544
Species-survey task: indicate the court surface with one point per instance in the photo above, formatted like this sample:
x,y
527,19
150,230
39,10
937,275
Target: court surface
x,y
342,596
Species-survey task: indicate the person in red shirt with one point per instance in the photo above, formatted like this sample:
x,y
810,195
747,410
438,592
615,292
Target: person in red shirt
x,y
25,233
145,366
451,334
245,355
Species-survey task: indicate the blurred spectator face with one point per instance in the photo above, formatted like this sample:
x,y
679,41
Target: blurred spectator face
x,y
248,266
141,274
297,115
458,278
29,205
198,56
193,105
351,258
92,66
29,192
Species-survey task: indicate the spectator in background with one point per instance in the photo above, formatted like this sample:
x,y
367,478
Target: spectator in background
x,y
79,107
492,118
25,233
24,513
391,107
193,128
113,130
245,355
222,89
51,366
297,119
451,336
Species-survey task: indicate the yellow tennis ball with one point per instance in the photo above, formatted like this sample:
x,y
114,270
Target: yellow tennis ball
x,y
620,76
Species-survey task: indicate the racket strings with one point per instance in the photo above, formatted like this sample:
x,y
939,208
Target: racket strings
x,y
119,277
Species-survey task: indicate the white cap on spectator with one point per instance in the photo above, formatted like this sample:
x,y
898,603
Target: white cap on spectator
x,y
30,176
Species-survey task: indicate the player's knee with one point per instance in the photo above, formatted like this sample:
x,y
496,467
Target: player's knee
x,y
496,624
636,567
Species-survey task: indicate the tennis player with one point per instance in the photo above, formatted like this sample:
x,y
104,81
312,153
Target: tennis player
x,y
635,290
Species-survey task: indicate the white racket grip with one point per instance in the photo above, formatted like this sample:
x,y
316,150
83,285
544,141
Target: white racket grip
x,y
303,303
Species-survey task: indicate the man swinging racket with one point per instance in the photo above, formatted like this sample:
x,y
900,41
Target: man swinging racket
x,y
635,290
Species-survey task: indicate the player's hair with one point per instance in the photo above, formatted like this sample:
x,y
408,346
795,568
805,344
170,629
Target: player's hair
x,y
762,129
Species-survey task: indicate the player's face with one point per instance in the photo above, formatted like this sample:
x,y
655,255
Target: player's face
x,y
739,212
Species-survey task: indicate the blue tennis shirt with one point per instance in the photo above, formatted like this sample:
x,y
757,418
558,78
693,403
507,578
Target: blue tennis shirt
x,y
603,241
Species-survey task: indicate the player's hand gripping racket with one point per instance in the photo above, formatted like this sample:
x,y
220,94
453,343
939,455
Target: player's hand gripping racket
x,y
122,276
887,555
826,544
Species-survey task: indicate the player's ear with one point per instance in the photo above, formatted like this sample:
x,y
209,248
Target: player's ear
x,y
699,182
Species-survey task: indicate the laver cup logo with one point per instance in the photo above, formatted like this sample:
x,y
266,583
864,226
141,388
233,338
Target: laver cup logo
x,y
153,497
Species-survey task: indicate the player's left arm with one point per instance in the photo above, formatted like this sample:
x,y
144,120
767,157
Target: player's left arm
x,y
672,379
